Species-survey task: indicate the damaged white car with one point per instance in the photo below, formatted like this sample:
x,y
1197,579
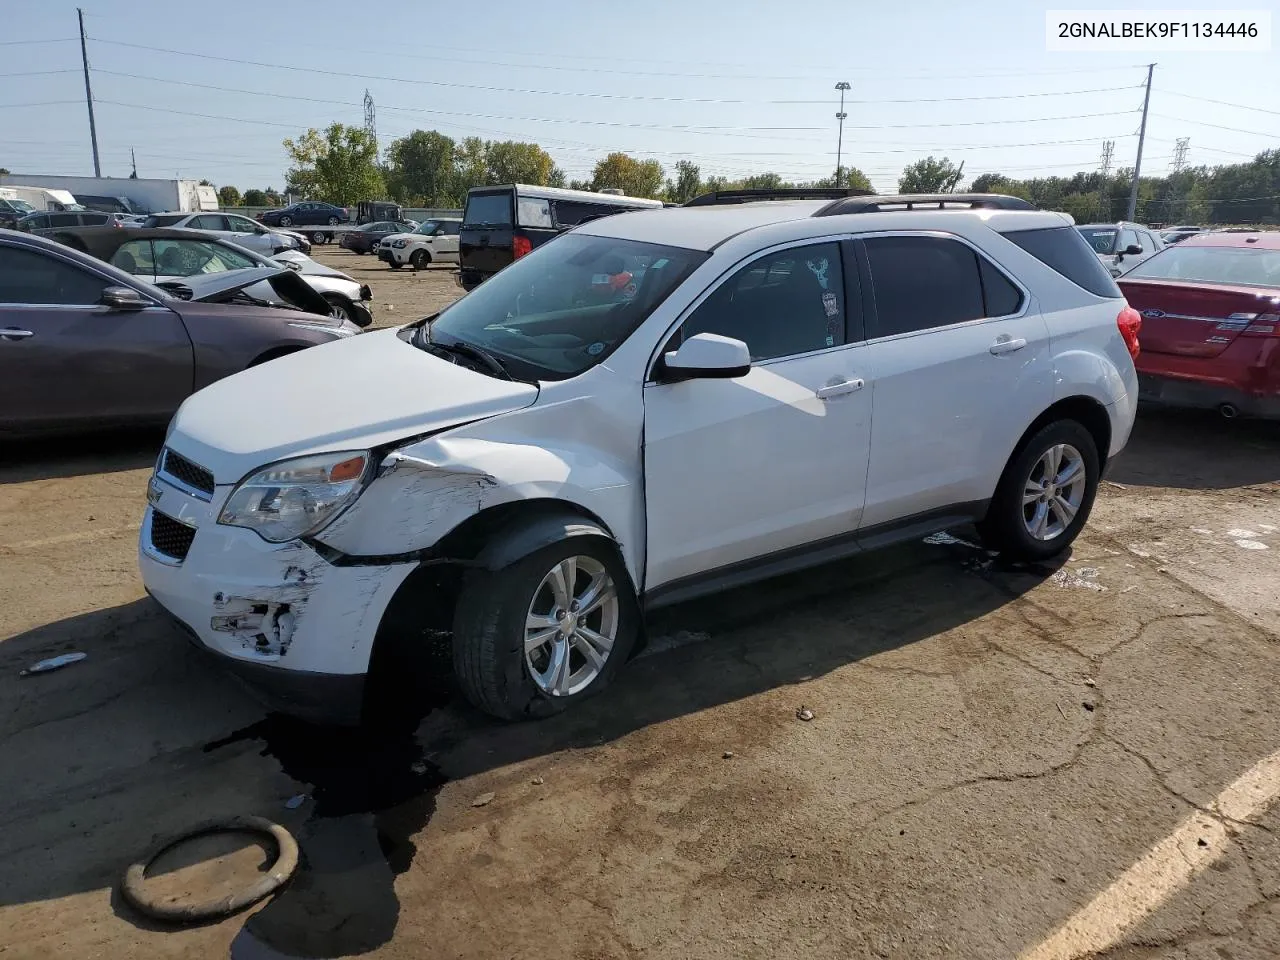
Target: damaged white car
x,y
654,406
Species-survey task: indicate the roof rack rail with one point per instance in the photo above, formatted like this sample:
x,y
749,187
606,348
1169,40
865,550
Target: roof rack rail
x,y
924,201
721,197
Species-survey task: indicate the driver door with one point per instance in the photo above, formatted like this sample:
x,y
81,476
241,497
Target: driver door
x,y
776,461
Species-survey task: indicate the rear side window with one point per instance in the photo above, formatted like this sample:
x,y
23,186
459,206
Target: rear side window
x,y
904,301
164,219
570,213
1002,298
1063,250
93,219
533,212
488,210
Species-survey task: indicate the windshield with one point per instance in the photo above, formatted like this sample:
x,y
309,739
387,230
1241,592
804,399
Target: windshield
x,y
428,228
22,206
1247,266
564,308
1102,239
186,258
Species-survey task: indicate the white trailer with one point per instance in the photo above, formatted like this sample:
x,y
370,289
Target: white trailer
x,y
42,198
144,195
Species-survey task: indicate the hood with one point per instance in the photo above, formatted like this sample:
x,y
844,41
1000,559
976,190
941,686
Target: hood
x,y
224,287
405,236
305,265
349,395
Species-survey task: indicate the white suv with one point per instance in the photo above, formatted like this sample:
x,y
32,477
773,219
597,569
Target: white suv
x,y
435,241
652,406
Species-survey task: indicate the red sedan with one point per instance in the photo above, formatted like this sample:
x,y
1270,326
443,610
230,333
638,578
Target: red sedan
x,y
1211,323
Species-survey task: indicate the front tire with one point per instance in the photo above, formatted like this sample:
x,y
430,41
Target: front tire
x,y
286,221
393,265
319,236
340,308
1045,495
546,632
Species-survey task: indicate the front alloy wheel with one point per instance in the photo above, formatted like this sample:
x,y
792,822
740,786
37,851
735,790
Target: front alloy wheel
x,y
534,637
571,626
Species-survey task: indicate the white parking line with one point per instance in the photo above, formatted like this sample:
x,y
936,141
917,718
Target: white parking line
x,y
1164,869
106,533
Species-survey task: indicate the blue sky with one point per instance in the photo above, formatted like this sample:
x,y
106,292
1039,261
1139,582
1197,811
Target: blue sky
x,y
663,79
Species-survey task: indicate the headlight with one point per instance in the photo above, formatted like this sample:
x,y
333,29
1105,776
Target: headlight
x,y
296,497
399,244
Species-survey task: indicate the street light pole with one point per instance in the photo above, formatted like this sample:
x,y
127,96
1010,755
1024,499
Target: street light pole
x,y
842,86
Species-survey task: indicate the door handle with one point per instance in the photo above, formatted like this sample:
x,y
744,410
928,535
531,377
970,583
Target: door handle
x,y
13,333
838,389
1007,344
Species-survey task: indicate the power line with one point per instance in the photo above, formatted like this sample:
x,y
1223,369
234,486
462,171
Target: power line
x,y
1002,96
38,73
15,43
985,123
1221,103
1217,126
38,103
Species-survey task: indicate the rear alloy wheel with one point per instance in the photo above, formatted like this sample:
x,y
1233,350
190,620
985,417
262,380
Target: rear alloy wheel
x,y
551,629
317,236
1045,495
333,221
420,259
286,221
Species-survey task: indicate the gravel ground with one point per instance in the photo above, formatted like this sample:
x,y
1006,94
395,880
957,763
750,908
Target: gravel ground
x,y
1066,761
399,296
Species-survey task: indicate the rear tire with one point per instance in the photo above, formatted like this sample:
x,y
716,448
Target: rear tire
x,y
319,236
420,259
1045,494
333,221
491,630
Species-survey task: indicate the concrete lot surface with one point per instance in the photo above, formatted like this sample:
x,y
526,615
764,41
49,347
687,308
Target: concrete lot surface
x,y
1074,760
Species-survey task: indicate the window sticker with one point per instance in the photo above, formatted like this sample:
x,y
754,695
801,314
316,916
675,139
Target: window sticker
x,y
830,304
819,270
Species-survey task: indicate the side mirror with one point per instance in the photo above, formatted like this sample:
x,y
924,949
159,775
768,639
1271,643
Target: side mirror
x,y
124,298
1132,250
707,355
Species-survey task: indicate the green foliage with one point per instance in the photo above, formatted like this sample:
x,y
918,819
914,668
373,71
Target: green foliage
x,y
636,178
420,169
229,197
687,184
253,198
339,166
556,179
929,176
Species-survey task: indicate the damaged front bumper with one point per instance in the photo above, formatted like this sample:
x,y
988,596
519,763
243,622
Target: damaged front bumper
x,y
280,616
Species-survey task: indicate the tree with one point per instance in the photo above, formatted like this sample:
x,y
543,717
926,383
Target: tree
x,y
556,178
229,197
273,197
636,178
579,184
687,184
340,165
510,161
987,183
254,198
472,165
4,171
421,169
762,181
929,176
850,177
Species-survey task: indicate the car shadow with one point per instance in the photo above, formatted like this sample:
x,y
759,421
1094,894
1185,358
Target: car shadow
x,y
78,455
371,792
1198,450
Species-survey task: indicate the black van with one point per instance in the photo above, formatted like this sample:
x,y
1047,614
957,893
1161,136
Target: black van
x,y
501,224
371,211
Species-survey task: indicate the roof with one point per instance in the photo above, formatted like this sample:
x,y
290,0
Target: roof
x,y
103,242
552,193
705,228
1259,239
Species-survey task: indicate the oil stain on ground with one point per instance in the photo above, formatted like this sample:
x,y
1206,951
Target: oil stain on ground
x,y
372,791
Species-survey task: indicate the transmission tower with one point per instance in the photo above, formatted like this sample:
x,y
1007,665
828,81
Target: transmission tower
x,y
1180,154
1104,168
370,118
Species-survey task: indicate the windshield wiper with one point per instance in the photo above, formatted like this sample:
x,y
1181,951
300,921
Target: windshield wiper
x,y
483,357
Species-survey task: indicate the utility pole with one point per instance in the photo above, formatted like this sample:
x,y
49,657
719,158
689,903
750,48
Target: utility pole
x,y
1104,205
88,95
842,86
133,158
1142,135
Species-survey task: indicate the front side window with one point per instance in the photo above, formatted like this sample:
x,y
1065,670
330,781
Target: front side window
x,y
135,257
921,283
186,258
242,224
30,277
1101,239
1245,266
427,228
209,222
1128,238
780,305
563,308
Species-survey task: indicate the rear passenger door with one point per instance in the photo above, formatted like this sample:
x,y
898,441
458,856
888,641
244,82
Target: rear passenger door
x,y
445,242
959,357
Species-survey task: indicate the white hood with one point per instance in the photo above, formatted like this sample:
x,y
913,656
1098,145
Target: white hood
x,y
348,395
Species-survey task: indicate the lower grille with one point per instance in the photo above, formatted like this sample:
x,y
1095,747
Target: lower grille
x,y
193,475
170,537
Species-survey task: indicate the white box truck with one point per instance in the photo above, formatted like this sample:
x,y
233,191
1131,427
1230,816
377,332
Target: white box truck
x,y
42,198
141,196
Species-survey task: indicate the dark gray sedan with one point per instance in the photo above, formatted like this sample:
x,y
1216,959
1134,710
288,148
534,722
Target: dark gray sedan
x,y
85,345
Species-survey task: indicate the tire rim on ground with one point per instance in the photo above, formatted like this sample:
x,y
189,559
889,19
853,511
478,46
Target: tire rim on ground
x,y
1053,491
571,626
134,890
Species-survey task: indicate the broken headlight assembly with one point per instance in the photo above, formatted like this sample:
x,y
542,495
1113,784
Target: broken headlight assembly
x,y
293,498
